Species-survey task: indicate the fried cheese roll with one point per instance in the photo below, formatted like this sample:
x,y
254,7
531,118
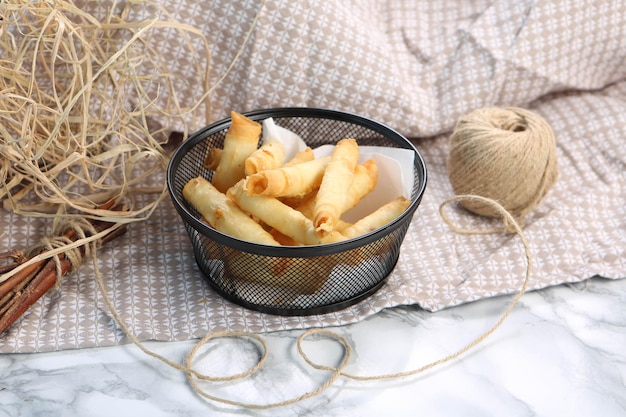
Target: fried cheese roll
x,y
223,214
331,196
300,157
380,217
270,155
276,214
280,272
242,139
291,181
212,159
364,181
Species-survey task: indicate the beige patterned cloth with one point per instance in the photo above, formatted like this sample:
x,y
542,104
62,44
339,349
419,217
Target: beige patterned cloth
x,y
416,66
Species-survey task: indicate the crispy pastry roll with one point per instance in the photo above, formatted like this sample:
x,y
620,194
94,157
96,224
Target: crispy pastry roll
x,y
283,239
331,196
292,181
364,181
222,214
276,214
300,157
270,155
242,139
378,218
212,159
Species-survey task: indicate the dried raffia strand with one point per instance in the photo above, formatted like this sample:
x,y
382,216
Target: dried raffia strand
x,y
66,124
78,123
339,371
82,99
72,255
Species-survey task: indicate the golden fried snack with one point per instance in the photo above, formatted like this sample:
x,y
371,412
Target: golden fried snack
x,y
222,214
242,139
300,157
212,159
270,155
283,239
276,214
364,181
378,218
331,196
292,181
304,205
299,200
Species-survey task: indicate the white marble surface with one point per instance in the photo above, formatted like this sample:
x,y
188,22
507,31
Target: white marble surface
x,y
562,352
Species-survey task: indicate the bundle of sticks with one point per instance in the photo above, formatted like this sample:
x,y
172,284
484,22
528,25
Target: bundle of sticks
x,y
29,273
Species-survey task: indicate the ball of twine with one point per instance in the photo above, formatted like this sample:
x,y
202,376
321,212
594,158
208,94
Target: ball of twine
x,y
504,154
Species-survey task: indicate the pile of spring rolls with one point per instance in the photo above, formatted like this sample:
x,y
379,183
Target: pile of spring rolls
x,y
257,196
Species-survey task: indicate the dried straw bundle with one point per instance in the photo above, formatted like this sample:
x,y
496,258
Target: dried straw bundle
x,y
86,102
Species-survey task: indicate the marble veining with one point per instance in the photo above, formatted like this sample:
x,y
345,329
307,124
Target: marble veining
x,y
561,352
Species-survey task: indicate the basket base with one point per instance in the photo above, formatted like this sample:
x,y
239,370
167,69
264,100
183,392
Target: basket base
x,y
309,311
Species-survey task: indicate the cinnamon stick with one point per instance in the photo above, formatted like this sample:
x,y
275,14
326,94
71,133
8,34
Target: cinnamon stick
x,y
43,281
28,285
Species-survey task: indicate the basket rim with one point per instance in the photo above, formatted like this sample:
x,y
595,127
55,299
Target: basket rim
x,y
294,251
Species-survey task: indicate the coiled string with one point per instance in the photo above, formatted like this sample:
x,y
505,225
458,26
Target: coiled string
x,y
193,376
505,154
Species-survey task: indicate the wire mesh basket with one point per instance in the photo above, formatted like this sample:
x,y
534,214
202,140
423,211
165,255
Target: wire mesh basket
x,y
294,280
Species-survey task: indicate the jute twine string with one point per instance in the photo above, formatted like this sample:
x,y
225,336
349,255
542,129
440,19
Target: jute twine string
x,y
505,154
83,229
194,376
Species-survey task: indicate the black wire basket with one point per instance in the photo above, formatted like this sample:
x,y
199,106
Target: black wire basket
x,y
294,280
